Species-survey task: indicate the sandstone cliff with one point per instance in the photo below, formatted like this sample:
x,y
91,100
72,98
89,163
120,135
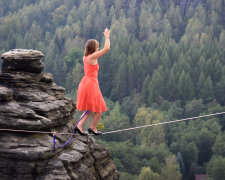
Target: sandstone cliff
x,y
29,99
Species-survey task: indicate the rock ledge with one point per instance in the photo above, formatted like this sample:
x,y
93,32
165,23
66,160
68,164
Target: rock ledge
x,y
22,60
21,54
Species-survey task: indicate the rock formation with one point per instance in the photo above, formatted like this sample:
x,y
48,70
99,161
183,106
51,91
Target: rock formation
x,y
30,100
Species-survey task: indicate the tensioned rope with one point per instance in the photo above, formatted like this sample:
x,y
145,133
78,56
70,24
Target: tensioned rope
x,y
168,122
53,133
109,132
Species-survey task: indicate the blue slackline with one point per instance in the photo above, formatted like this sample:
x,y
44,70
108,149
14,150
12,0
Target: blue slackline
x,y
54,137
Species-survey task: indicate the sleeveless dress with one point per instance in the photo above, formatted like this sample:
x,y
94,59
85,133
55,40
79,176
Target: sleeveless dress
x,y
89,96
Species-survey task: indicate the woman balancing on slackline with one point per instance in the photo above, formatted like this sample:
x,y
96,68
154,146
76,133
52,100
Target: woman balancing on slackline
x,y
89,96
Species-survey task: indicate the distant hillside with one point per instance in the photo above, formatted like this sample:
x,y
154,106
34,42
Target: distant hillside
x,y
166,62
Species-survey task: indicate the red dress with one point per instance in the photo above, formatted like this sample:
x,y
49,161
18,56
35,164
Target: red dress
x,y
89,96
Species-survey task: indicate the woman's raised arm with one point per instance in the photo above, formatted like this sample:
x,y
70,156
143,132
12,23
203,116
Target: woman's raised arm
x,y
106,47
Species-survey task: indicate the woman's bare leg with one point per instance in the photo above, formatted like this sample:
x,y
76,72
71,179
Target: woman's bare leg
x,y
82,121
96,118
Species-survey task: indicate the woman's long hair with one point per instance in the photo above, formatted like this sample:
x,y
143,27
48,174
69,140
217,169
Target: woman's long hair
x,y
91,46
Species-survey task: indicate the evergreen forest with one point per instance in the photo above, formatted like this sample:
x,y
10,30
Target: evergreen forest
x,y
166,62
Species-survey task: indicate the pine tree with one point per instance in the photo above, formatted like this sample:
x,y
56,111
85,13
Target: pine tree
x,y
222,39
220,86
171,87
181,163
208,89
185,87
146,89
200,85
121,82
156,86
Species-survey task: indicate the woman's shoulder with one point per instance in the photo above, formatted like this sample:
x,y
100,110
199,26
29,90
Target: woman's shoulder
x,y
90,61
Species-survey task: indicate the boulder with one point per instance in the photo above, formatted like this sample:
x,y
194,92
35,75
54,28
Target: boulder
x,y
22,60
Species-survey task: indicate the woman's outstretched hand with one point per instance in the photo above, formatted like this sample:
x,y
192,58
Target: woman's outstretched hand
x,y
106,33
94,56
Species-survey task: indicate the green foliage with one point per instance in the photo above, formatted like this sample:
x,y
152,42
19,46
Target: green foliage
x,y
116,120
207,140
129,107
156,86
215,168
181,163
148,174
130,158
165,63
219,145
127,176
145,90
185,87
171,170
155,164
150,136
126,157
148,38
194,107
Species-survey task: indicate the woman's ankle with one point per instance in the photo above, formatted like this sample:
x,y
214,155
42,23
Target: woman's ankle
x,y
93,128
80,127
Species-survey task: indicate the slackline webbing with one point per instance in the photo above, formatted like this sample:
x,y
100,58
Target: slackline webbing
x,y
109,132
121,130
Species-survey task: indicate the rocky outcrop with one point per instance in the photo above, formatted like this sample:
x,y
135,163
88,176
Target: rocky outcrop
x,y
30,100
